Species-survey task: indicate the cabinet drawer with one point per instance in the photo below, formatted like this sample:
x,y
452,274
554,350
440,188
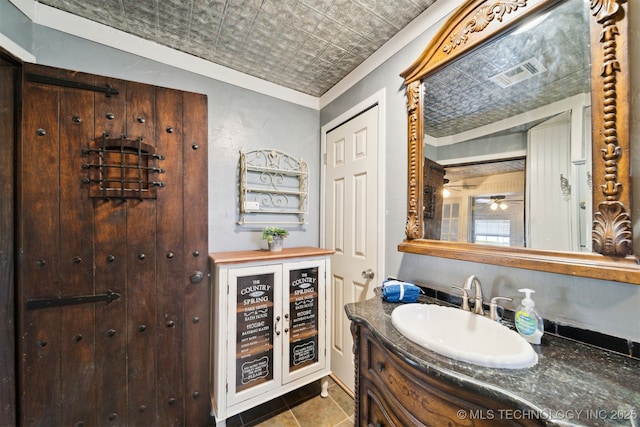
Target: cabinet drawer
x,y
379,412
375,411
408,394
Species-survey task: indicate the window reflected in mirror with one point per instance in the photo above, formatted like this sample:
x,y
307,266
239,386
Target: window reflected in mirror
x,y
533,191
484,203
499,220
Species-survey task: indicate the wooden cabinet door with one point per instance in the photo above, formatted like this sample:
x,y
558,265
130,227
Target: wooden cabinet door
x,y
112,299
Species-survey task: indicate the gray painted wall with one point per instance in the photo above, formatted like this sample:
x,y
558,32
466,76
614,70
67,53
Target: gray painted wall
x,y
238,119
488,145
14,23
243,119
603,306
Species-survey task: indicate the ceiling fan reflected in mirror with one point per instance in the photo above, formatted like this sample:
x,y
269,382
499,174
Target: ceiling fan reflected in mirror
x,y
496,202
446,191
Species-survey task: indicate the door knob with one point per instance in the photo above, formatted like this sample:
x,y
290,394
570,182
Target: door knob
x,y
368,274
197,277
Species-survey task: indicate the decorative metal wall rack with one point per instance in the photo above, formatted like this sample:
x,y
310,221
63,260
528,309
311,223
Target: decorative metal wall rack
x,y
273,182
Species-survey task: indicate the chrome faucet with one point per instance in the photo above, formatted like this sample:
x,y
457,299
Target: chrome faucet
x,y
468,284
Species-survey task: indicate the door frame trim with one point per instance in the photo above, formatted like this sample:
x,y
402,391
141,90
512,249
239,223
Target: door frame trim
x,y
8,352
379,99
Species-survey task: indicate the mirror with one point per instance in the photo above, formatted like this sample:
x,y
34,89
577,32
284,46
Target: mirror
x,y
523,94
588,106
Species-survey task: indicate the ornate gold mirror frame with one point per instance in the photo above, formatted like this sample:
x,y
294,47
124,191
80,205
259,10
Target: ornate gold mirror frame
x,y
474,24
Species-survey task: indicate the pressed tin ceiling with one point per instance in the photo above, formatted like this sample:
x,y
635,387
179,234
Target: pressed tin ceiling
x,y
463,96
304,45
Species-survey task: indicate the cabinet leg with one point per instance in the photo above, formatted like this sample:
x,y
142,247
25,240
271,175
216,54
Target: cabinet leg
x,y
325,386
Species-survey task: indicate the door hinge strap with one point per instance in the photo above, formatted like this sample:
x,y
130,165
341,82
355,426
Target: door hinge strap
x,y
48,80
36,304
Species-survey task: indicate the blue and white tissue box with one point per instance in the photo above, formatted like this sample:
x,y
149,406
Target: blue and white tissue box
x,y
394,290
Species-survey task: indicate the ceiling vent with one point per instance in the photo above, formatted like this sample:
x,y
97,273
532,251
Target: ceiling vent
x,y
521,72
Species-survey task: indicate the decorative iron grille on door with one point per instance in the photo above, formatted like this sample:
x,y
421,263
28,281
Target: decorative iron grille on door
x,y
122,168
273,182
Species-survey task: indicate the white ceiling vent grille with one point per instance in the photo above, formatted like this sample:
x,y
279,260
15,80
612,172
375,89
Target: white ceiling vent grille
x,y
523,71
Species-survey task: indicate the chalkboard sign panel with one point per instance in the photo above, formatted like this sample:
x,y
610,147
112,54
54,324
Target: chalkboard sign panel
x,y
303,306
254,332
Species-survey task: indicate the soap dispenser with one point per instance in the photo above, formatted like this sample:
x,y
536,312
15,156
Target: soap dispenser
x,y
528,323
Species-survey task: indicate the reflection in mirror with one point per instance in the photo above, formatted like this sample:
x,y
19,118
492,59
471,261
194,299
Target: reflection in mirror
x,y
594,111
525,95
484,203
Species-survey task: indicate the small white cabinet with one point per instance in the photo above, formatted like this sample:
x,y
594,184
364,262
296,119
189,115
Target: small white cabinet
x,y
269,325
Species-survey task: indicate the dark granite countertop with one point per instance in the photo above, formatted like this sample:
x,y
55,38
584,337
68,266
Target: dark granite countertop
x,y
573,384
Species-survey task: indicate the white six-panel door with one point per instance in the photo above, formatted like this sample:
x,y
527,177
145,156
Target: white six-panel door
x,y
351,225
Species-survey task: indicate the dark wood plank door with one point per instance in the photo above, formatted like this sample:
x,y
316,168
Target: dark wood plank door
x,y
112,206
433,199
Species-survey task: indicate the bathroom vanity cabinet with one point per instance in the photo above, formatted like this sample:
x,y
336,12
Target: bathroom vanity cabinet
x,y
400,383
392,392
269,325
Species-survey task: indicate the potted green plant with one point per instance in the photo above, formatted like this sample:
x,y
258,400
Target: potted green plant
x,y
274,237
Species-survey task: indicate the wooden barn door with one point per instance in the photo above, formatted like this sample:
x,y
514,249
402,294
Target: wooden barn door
x,y
433,199
112,293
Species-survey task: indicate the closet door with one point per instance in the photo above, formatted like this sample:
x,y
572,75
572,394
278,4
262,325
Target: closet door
x,y
112,238
548,206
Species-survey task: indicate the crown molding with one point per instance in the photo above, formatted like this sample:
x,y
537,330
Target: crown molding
x,y
68,23
84,28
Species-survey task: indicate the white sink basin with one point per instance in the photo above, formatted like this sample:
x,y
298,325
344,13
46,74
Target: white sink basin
x,y
463,336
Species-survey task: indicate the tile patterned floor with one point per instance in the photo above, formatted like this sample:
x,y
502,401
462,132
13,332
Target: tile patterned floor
x,y
301,408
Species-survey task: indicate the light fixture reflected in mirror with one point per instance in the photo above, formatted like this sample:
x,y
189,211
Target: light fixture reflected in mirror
x,y
446,190
495,205
532,23
498,202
